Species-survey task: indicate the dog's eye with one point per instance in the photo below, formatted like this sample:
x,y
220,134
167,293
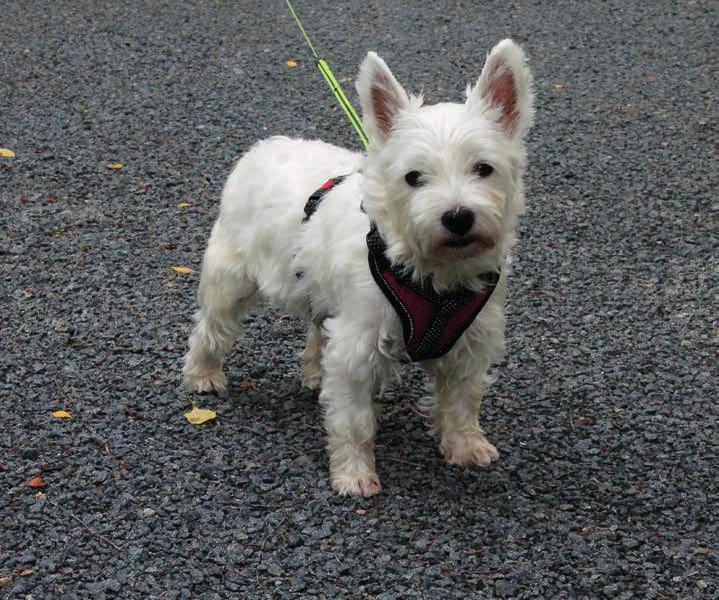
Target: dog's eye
x,y
413,178
483,169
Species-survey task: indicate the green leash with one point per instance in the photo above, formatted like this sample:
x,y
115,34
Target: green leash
x,y
332,82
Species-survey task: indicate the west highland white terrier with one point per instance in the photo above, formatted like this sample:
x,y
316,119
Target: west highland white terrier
x,y
401,254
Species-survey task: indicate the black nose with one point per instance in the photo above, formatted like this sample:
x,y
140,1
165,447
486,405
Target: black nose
x,y
458,221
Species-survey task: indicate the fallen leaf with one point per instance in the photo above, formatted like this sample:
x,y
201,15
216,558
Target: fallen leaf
x,y
197,416
291,63
5,581
6,153
560,87
37,482
184,205
651,78
701,550
132,413
102,445
245,384
182,269
115,166
61,414
360,511
26,572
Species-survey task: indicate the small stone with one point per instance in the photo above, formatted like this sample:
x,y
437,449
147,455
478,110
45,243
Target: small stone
x,y
297,584
505,588
611,589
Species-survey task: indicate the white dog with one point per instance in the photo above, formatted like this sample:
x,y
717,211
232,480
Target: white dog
x,y
406,256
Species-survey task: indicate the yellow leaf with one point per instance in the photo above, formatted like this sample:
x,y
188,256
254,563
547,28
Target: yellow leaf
x,y
184,205
182,269
291,63
6,153
560,87
62,414
115,166
197,416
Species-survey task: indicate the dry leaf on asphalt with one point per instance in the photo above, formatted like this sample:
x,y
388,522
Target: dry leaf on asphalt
x,y
6,153
291,63
182,269
184,205
115,166
198,416
37,482
61,414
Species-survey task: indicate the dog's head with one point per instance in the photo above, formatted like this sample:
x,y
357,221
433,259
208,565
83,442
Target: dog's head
x,y
443,182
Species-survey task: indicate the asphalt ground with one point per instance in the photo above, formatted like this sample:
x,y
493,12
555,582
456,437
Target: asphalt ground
x,y
605,410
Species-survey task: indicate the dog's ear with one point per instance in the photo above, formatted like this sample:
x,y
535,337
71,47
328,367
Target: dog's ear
x,y
381,97
504,89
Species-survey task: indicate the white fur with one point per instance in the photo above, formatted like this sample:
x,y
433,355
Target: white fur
x,y
259,244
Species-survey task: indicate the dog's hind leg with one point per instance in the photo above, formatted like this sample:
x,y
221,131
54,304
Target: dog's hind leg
x,y
225,295
312,357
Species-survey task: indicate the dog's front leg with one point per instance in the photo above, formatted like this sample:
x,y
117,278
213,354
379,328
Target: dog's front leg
x,y
346,397
456,403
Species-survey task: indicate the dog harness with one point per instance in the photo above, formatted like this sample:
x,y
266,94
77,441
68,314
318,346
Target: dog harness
x,y
314,200
431,321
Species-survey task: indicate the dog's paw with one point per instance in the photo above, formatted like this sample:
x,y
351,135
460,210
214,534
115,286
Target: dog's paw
x,y
312,379
356,484
468,448
209,382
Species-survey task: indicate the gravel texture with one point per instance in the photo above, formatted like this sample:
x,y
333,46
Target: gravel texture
x,y
605,411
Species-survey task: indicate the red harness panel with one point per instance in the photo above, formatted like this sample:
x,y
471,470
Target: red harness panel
x,y
431,321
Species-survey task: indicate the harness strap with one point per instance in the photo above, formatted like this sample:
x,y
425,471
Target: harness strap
x,y
314,200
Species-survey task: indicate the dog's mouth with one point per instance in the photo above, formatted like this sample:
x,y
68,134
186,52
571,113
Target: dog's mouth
x,y
459,242
460,248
